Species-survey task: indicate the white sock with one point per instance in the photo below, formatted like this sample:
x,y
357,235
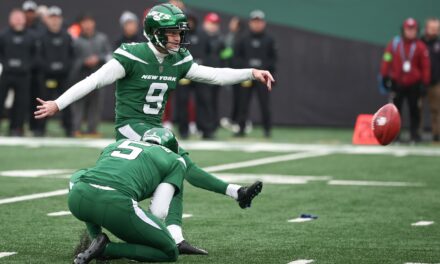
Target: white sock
x,y
176,233
232,190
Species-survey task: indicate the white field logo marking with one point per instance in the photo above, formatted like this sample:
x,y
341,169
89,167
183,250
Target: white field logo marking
x,y
423,223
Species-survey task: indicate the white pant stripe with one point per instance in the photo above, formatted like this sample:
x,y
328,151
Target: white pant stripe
x,y
141,214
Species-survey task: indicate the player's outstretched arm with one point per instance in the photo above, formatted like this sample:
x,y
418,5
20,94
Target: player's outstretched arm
x,y
227,76
107,74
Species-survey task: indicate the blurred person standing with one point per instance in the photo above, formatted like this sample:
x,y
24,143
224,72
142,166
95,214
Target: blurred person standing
x,y
17,56
256,49
235,28
406,71
184,112
35,25
207,97
432,42
33,20
130,29
92,50
57,54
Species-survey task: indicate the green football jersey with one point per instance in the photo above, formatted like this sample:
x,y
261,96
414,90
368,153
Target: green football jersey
x,y
142,94
136,168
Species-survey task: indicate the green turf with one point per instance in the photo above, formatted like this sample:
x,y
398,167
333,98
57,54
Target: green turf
x,y
355,225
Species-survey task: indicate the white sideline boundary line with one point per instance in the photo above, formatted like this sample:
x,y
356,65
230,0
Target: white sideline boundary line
x,y
398,151
7,254
33,196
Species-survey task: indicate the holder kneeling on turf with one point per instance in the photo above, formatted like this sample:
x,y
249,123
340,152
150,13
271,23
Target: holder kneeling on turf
x,y
107,195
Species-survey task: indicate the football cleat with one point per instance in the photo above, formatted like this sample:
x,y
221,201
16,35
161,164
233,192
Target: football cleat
x,y
84,243
186,248
247,194
95,250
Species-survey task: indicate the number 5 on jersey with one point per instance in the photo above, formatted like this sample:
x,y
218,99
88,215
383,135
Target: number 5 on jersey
x,y
155,102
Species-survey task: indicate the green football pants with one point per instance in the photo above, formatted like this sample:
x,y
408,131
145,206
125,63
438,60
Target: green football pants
x,y
146,237
194,174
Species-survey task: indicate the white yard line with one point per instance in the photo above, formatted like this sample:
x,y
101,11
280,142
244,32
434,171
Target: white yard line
x,y
374,183
301,261
35,173
33,196
7,254
64,213
60,213
229,166
268,160
269,178
423,223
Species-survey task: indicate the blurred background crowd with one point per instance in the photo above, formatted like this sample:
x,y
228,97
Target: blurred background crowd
x,y
42,54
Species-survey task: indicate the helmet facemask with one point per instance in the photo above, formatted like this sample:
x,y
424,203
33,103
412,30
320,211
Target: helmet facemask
x,y
160,37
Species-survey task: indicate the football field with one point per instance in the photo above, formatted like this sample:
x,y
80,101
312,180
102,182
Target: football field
x,y
373,204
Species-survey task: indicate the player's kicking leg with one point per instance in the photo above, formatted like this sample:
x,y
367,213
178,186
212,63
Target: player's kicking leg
x,y
200,178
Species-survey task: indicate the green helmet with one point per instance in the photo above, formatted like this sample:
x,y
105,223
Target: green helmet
x,y
163,17
163,137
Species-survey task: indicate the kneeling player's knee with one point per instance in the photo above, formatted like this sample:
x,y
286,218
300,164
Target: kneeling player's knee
x,y
159,212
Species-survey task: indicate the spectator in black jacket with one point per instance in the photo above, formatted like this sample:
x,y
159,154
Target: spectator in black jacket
x,y
207,98
255,50
431,39
130,29
17,55
57,55
35,25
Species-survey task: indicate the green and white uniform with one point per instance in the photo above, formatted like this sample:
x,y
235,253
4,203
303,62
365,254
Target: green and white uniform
x,y
107,195
144,78
142,94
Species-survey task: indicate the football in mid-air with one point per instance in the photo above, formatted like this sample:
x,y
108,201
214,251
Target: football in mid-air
x,y
386,124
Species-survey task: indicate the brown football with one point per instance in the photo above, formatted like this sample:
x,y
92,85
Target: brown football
x,y
386,124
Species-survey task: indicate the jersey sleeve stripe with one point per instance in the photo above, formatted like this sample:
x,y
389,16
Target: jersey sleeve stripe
x,y
186,59
129,55
129,133
183,161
